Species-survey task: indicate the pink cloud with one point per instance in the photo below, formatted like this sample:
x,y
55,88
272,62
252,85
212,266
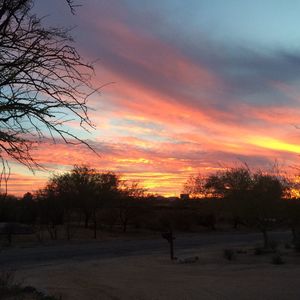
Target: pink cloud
x,y
166,117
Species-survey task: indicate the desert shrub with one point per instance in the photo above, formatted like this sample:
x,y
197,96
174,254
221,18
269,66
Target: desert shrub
x,y
277,259
229,254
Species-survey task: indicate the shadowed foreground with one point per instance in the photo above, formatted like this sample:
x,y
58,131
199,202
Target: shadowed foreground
x,y
155,277
126,270
19,257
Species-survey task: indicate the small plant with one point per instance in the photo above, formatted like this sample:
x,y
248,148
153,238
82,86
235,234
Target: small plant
x,y
277,260
229,254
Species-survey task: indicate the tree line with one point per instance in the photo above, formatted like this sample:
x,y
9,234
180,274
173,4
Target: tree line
x,y
73,199
86,199
258,200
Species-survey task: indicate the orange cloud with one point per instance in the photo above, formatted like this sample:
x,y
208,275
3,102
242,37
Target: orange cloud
x,y
167,117
19,184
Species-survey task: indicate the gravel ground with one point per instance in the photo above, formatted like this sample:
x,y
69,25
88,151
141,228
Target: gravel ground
x,y
153,276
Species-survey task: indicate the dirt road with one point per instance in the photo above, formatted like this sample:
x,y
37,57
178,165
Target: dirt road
x,y
83,251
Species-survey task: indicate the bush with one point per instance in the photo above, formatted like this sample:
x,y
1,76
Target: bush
x,y
229,254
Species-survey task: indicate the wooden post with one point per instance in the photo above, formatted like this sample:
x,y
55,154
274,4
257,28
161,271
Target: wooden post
x,y
170,238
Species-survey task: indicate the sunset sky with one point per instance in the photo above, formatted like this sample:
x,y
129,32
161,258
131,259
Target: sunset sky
x,y
198,85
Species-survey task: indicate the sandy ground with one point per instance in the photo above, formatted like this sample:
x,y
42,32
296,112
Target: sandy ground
x,y
155,277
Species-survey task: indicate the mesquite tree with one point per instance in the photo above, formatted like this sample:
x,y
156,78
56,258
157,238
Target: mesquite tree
x,y
44,83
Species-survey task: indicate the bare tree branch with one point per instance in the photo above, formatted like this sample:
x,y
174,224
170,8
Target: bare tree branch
x,y
44,83
72,6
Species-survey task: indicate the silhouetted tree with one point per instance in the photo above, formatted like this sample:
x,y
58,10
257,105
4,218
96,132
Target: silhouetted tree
x,y
233,185
44,82
8,208
255,198
292,217
27,209
66,191
83,190
291,211
263,209
107,190
50,209
76,190
195,186
130,205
